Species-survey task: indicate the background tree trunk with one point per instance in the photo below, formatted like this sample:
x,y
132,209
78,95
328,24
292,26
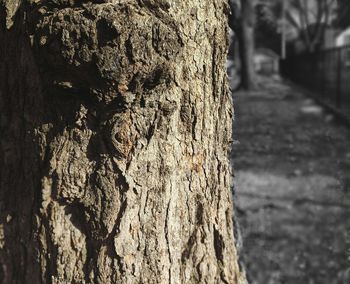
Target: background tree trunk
x,y
115,123
247,44
242,22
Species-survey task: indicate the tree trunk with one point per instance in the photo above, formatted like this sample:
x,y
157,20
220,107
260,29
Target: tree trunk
x,y
247,44
115,123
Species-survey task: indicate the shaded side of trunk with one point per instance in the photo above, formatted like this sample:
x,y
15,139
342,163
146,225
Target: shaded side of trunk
x,y
115,141
20,154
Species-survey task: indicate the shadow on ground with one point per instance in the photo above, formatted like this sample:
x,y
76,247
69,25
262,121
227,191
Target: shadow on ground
x,y
292,180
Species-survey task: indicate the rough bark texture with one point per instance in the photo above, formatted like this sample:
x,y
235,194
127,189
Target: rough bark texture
x,y
115,124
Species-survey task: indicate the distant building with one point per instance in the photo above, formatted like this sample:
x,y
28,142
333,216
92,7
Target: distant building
x,y
330,38
266,61
343,38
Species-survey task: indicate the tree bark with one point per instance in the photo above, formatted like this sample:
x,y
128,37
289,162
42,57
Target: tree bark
x,y
115,123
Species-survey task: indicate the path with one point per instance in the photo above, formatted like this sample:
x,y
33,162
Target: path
x,y
292,180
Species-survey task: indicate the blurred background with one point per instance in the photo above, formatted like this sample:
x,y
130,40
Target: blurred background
x,y
289,70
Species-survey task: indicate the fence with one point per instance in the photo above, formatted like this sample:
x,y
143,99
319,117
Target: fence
x,y
326,72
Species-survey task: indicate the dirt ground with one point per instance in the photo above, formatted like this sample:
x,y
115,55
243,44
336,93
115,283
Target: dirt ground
x,y
292,187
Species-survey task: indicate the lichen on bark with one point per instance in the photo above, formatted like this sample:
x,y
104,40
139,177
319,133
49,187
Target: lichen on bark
x,y
126,118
